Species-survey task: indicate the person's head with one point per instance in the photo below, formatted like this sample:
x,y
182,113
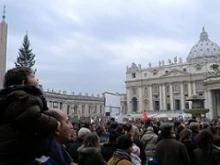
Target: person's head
x,y
113,125
63,135
195,127
91,140
113,137
19,76
125,142
73,135
167,129
136,150
150,129
100,130
83,132
205,141
205,125
134,132
186,135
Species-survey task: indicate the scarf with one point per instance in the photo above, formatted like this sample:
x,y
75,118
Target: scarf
x,y
122,154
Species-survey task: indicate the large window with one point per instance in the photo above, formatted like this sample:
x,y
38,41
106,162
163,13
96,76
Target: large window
x,y
134,104
156,105
155,72
177,104
168,106
133,75
55,104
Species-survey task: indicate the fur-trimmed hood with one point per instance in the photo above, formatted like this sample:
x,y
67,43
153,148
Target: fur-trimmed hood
x,y
87,150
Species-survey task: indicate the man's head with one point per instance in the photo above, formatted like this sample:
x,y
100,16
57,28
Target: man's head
x,y
62,134
20,75
167,129
83,132
125,142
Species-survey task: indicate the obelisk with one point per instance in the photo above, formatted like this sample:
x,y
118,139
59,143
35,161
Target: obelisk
x,y
3,48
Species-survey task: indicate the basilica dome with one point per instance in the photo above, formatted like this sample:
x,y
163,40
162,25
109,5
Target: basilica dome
x,y
204,48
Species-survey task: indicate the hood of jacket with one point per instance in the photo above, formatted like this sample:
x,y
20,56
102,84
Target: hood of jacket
x,y
26,88
88,150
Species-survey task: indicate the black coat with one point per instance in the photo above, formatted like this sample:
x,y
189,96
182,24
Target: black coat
x,y
90,156
107,151
73,147
202,159
23,123
171,152
190,146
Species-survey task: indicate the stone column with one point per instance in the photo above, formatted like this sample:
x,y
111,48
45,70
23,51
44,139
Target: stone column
x,y
218,105
211,106
140,100
129,100
214,104
80,109
151,98
171,97
182,97
189,94
164,97
194,88
161,96
206,99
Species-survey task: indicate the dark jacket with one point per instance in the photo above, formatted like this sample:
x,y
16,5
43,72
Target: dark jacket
x,y
190,146
107,151
202,159
73,147
171,152
22,124
90,156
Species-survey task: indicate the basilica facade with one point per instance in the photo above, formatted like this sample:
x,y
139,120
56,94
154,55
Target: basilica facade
x,y
166,87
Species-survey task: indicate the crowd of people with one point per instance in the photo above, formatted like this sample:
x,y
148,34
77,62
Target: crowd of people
x,y
32,134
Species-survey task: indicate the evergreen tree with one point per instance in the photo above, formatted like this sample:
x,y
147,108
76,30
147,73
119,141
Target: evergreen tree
x,y
25,56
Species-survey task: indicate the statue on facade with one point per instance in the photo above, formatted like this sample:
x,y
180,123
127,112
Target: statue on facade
x,y
159,63
149,65
127,69
162,62
175,59
139,66
215,67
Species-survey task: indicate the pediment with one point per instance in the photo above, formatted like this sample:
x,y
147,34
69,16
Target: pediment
x,y
175,72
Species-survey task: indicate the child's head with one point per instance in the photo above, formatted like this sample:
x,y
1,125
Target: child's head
x,y
20,75
135,150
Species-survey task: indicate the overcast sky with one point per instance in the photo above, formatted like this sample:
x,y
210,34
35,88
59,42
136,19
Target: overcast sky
x,y
85,45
